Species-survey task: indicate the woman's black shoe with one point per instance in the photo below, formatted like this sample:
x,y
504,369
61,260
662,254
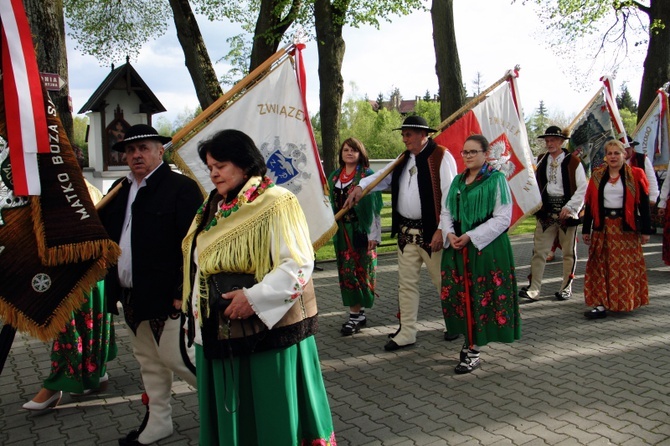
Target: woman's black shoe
x,y
595,314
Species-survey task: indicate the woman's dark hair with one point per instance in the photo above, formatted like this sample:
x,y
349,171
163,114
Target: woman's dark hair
x,y
483,142
358,146
236,147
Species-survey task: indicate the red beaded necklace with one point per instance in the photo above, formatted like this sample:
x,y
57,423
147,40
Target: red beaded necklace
x,y
344,177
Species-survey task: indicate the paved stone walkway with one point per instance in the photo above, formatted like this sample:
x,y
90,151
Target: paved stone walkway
x,y
568,381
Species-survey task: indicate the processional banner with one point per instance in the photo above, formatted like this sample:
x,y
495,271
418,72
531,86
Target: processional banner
x,y
273,113
500,119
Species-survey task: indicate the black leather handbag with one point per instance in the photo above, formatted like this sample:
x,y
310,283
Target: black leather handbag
x,y
222,283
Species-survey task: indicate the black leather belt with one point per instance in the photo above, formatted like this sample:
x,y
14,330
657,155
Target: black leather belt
x,y
613,213
409,223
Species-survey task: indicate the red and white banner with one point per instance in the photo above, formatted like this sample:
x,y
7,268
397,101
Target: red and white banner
x,y
273,113
24,106
501,121
652,132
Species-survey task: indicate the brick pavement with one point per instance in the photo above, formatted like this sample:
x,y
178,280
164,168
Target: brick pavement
x,y
568,381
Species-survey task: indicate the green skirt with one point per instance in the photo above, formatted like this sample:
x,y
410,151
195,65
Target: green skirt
x,y
80,353
269,398
493,302
356,268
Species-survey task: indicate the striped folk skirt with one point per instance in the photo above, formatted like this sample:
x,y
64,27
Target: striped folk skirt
x,y
616,275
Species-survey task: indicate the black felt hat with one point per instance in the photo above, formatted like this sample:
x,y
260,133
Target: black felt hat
x,y
632,142
137,132
554,131
416,123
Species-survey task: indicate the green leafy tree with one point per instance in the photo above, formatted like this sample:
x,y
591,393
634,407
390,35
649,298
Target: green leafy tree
x,y
629,119
112,30
429,110
621,23
427,96
380,101
373,129
625,101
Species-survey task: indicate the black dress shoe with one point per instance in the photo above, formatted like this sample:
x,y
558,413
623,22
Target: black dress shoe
x,y
595,314
450,337
393,345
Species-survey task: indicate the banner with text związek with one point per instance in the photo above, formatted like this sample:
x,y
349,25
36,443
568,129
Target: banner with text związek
x,y
271,110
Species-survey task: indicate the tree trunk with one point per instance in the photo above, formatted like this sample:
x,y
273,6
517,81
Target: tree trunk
x,y
269,30
448,65
207,87
328,21
47,25
657,63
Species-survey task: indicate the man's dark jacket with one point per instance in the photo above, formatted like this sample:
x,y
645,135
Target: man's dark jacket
x,y
161,215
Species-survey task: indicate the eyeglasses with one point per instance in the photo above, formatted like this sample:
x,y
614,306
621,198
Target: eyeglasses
x,y
469,153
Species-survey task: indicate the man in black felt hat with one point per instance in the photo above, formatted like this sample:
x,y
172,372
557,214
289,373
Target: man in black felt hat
x,y
636,159
418,184
148,218
562,181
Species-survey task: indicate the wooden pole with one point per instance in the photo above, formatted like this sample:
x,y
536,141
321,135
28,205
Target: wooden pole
x,y
111,194
243,84
372,185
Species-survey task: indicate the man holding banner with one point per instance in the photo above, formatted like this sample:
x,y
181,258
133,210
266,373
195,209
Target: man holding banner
x,y
424,172
562,181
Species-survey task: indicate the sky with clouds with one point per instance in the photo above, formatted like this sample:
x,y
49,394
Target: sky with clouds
x,y
492,36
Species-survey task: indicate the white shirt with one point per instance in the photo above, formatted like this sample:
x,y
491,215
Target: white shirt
x,y
125,263
613,195
482,235
409,204
555,184
651,178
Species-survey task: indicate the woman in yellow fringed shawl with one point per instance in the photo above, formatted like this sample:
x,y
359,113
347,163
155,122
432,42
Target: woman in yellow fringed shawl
x,y
617,223
259,379
479,295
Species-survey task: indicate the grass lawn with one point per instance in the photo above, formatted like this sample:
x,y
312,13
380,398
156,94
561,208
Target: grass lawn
x,y
327,252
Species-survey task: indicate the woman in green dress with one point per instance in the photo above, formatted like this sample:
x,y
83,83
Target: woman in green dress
x,y
358,234
479,295
80,353
248,263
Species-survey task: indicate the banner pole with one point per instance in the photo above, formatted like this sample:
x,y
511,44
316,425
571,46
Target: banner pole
x,y
236,89
372,185
108,197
